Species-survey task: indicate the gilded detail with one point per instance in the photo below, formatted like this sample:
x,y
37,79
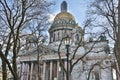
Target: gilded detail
x,y
64,15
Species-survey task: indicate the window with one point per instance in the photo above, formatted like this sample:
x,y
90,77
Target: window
x,y
96,76
54,37
54,70
77,37
58,35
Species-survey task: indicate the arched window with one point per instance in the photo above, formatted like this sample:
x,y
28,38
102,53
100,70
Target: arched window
x,y
77,37
58,35
97,76
53,36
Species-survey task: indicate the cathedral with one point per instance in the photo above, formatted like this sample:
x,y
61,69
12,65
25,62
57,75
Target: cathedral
x,y
88,60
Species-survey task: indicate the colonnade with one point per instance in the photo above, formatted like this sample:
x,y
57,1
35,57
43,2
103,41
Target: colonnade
x,y
49,70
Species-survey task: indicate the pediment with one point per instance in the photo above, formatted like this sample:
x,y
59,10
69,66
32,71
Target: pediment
x,y
41,49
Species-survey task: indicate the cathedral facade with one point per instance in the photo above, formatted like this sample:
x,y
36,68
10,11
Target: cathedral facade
x,y
92,59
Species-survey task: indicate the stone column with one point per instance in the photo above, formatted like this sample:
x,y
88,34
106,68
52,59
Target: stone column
x,y
27,72
22,70
31,71
58,69
65,64
51,68
44,69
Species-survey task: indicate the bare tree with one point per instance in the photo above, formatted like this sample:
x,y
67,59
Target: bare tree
x,y
15,17
109,12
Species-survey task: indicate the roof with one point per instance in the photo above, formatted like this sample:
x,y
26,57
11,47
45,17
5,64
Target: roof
x,y
64,15
42,49
63,20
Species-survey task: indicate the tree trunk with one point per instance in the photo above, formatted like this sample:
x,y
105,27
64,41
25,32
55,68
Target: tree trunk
x,y
118,39
15,67
4,70
118,47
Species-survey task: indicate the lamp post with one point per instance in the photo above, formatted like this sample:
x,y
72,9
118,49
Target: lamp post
x,y
67,42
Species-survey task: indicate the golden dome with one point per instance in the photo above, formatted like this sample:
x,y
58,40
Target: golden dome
x,y
64,15
63,19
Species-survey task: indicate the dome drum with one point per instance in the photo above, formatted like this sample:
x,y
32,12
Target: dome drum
x,y
62,27
63,22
